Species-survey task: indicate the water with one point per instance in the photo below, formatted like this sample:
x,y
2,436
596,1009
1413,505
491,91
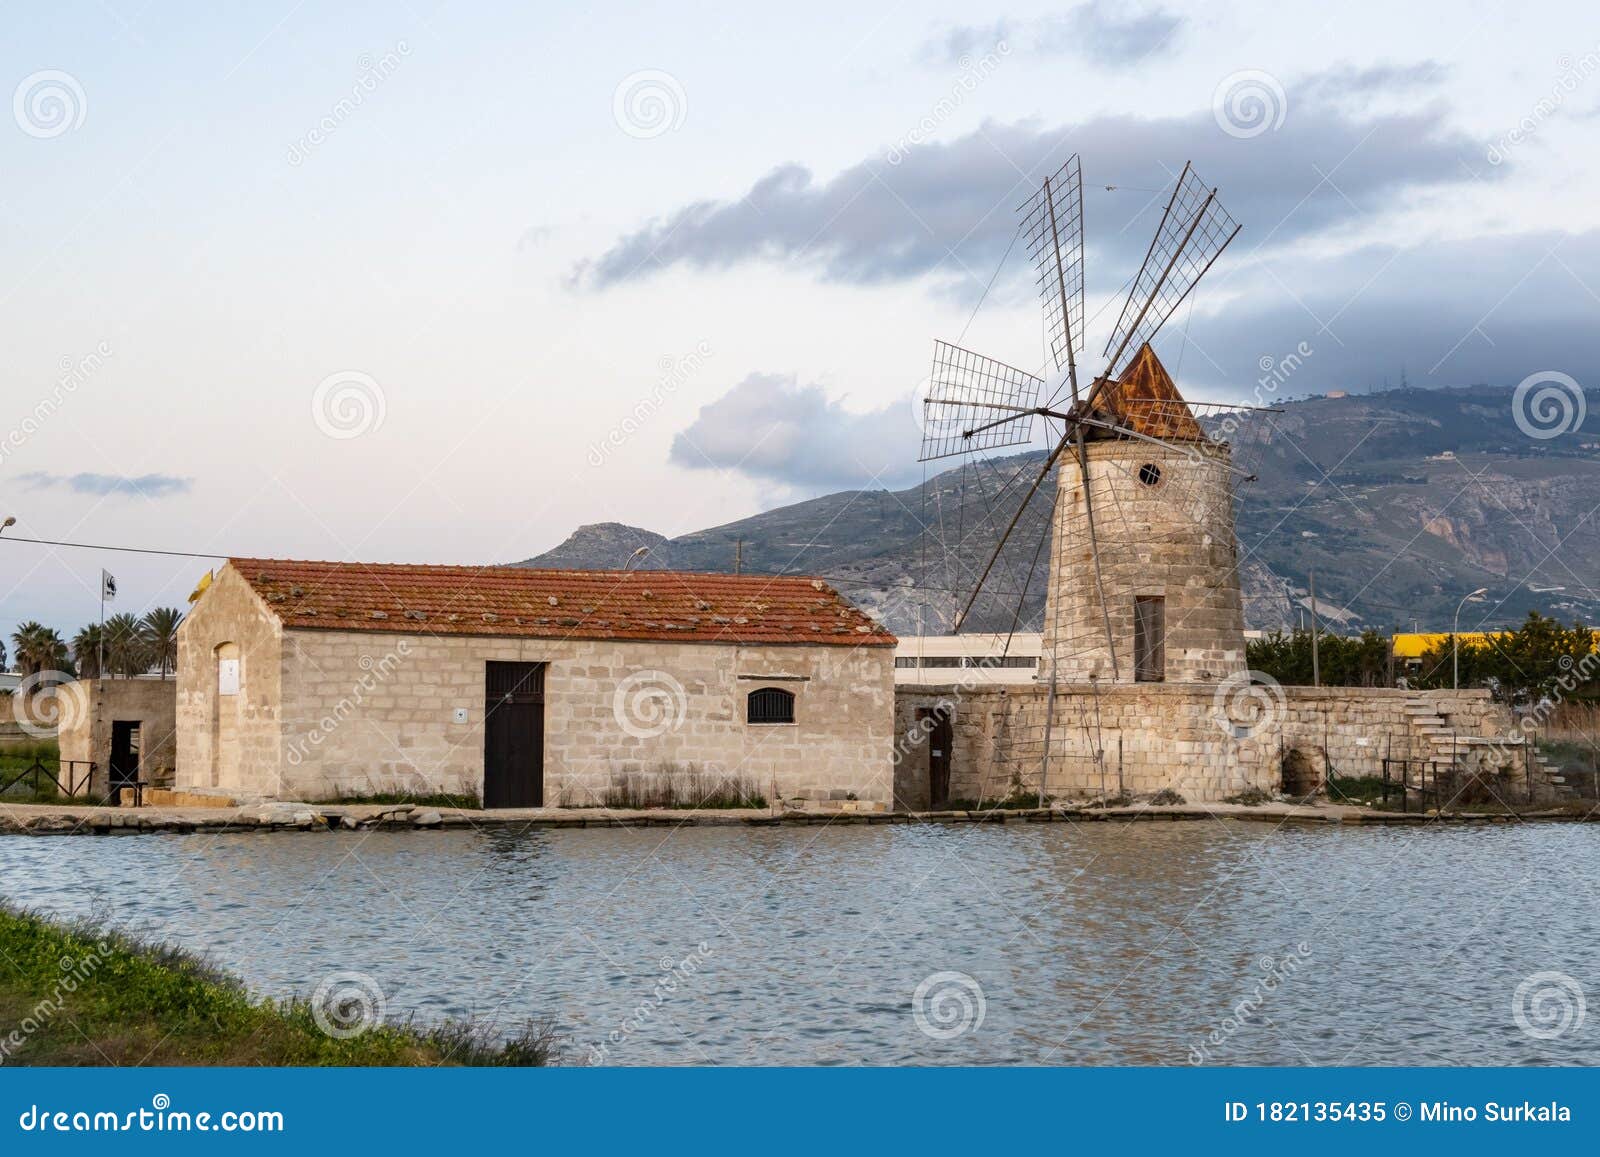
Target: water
x,y
1091,944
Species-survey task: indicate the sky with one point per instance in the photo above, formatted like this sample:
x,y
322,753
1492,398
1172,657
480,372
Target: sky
x,y
415,282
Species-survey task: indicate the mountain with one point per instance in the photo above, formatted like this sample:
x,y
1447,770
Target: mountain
x,y
1401,502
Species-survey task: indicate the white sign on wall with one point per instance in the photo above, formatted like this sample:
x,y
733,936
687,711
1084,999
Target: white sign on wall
x,y
227,676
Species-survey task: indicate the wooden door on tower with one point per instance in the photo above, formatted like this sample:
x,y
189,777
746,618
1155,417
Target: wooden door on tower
x,y
936,722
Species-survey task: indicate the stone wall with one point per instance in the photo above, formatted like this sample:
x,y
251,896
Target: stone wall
x,y
324,713
88,708
230,742
367,712
1203,741
1166,532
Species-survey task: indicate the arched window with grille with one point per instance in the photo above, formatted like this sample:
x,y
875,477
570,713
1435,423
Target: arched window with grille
x,y
769,705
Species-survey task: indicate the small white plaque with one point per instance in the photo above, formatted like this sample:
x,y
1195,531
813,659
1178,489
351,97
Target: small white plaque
x,y
459,715
227,676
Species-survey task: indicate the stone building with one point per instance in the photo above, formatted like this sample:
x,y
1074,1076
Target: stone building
x,y
116,733
306,680
1143,684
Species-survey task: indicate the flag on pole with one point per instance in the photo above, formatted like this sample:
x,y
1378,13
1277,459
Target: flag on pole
x,y
108,585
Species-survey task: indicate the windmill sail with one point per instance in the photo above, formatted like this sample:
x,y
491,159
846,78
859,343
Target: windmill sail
x,y
1194,229
1052,221
975,403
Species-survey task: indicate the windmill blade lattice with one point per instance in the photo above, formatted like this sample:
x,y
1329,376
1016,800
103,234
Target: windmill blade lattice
x,y
1052,221
975,403
1194,229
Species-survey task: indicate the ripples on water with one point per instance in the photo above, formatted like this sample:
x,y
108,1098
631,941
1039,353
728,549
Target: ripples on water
x,y
1093,944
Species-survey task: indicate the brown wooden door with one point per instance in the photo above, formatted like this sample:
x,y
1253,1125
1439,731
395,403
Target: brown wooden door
x,y
513,735
936,720
1149,639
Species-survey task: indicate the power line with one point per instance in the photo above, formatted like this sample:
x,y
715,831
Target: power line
x,y
119,549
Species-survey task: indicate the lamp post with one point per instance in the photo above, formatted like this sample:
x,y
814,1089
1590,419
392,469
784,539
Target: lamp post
x,y
1455,637
11,520
635,557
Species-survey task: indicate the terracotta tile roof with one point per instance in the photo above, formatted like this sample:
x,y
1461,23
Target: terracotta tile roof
x,y
663,606
1146,400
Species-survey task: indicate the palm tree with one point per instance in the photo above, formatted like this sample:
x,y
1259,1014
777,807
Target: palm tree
x,y
39,648
125,649
160,629
86,650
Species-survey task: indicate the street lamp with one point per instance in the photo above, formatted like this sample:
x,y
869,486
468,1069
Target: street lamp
x,y
636,556
11,520
1455,637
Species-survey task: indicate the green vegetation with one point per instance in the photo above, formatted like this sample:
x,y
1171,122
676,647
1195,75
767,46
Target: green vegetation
x,y
21,759
1361,789
466,800
1249,797
679,788
85,995
1540,659
124,645
1343,661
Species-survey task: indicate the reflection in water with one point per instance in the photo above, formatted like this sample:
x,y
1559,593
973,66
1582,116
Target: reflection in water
x,y
1101,943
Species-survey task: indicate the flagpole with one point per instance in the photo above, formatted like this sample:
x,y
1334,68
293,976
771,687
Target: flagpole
x,y
100,639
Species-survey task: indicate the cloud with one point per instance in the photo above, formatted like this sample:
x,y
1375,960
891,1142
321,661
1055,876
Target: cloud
x,y
1099,31
771,427
144,486
963,41
1487,309
1115,34
947,210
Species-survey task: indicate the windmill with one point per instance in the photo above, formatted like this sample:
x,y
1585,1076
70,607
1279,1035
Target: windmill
x,y
1128,446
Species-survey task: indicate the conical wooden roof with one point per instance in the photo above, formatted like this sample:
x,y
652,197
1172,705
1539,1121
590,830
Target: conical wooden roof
x,y
1145,400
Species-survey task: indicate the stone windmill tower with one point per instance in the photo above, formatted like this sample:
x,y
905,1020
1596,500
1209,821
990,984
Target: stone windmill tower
x,y
1143,579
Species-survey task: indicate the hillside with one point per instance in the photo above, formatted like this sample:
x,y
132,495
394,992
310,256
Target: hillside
x,y
1401,502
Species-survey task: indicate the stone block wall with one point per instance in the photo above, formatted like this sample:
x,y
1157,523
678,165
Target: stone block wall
x,y
230,742
1171,537
322,713
1154,736
88,707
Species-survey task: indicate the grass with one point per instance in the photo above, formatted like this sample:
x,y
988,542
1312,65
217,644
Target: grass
x,y
466,801
81,994
675,788
19,758
1249,797
1361,789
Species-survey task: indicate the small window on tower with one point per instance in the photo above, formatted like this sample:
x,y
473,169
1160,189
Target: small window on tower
x,y
1150,474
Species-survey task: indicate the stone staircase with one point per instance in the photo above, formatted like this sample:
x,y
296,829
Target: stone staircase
x,y
1450,747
